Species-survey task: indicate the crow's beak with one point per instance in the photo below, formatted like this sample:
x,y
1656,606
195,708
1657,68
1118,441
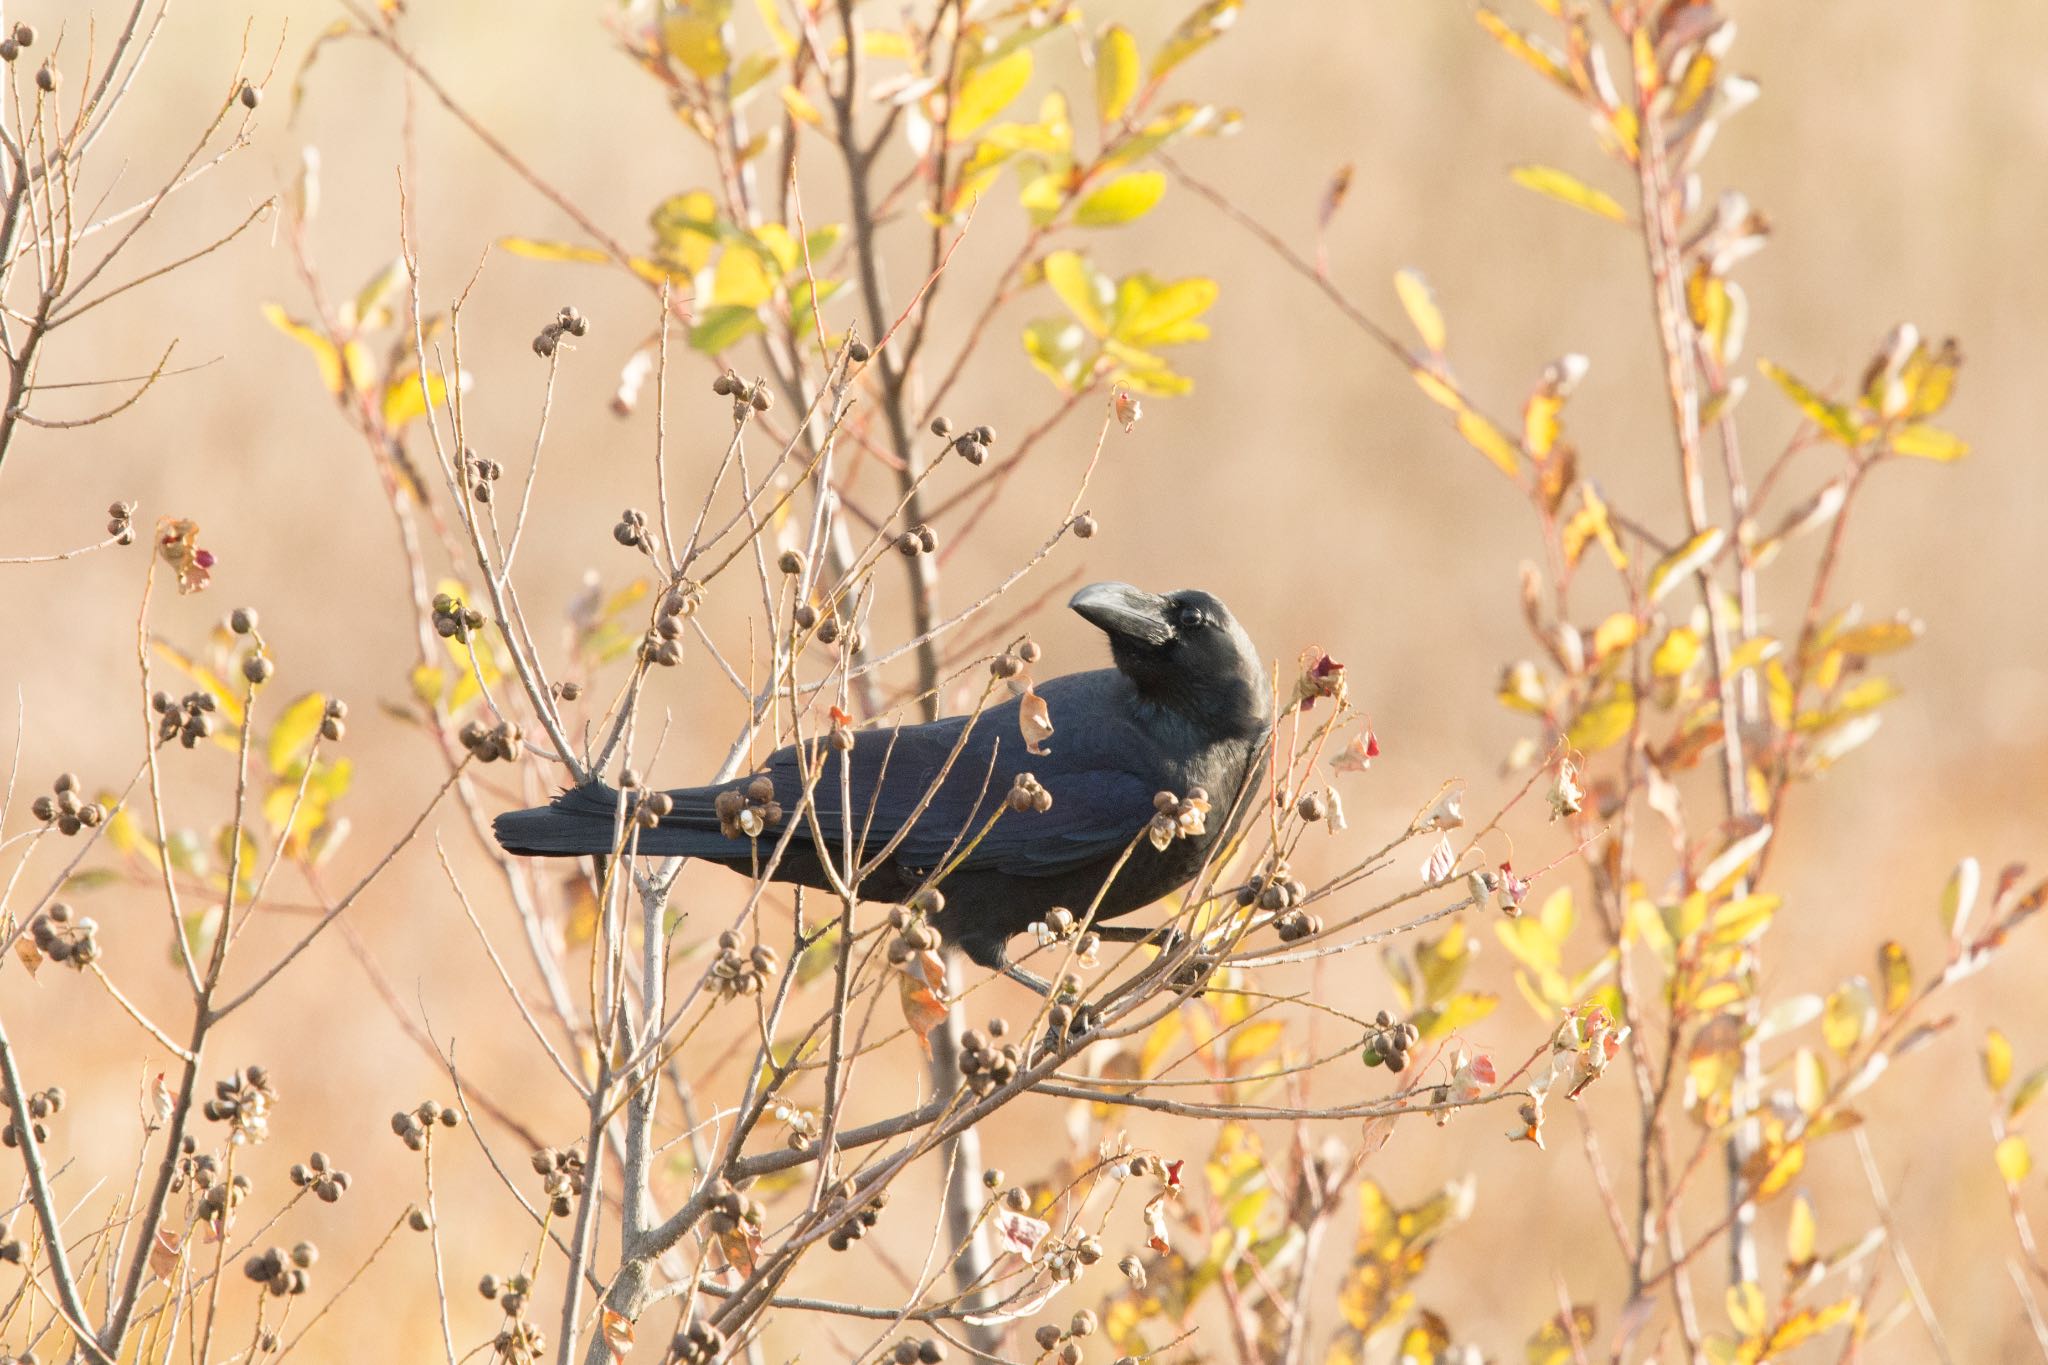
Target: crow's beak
x,y
1121,610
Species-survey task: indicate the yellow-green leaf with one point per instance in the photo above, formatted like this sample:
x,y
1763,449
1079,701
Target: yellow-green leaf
x,y
1085,293
1997,1059
325,356
1833,418
539,250
1896,972
1557,1341
1746,1308
292,735
1687,559
1800,1234
2026,1093
1552,183
1604,723
403,401
1540,58
1116,72
1743,920
1419,300
1122,200
1197,31
1462,1010
987,91
1924,442
1849,1014
696,33
2015,1161
1490,441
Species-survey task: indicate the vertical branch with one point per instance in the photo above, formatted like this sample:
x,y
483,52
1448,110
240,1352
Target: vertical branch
x,y
1682,381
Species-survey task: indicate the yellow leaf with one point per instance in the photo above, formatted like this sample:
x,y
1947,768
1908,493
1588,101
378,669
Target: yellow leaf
x,y
1438,389
1800,1234
1746,1308
1617,632
1782,1172
1832,418
1589,524
1744,920
1809,1081
1878,637
801,108
1806,1324
2015,1162
1552,183
1490,441
1122,200
1420,302
1163,1036
1153,314
1460,1011
1676,653
1558,1342
1254,1041
740,280
1083,291
1541,59
1687,559
1897,974
538,250
292,734
1929,443
696,33
1848,1015
325,356
1604,723
1997,1059
1197,31
403,401
987,91
1116,72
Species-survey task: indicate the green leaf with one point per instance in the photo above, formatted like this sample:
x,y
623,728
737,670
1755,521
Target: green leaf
x,y
1116,72
722,326
1123,200
1552,183
987,91
1686,560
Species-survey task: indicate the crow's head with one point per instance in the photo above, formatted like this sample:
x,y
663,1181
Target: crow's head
x,y
1184,651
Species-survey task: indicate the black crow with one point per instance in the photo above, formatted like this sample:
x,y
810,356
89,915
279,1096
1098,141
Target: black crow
x,y
1187,706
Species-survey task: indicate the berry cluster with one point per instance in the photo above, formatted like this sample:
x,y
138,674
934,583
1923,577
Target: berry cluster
x,y
562,1176
283,1272
480,474
322,1177
734,975
664,640
568,320
1068,1343
61,937
853,1229
918,1351
735,1214
1028,795
454,619
65,808
41,1105
746,812
1274,888
22,35
985,1060
1388,1042
698,1344
918,540
746,398
188,719
490,743
243,1101
914,933
509,1294
1177,817
121,522
414,1127
971,446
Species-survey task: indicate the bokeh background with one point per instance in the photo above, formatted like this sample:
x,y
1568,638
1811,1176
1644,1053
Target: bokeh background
x,y
1898,151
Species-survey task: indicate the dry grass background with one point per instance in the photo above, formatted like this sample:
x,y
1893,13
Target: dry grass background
x,y
1898,150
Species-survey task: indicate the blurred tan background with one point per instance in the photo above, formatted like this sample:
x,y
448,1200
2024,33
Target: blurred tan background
x,y
1898,150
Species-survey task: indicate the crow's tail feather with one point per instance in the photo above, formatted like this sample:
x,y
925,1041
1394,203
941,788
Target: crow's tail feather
x,y
583,822
578,823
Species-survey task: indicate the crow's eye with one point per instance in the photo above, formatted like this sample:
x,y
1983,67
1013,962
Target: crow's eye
x,y
1190,618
